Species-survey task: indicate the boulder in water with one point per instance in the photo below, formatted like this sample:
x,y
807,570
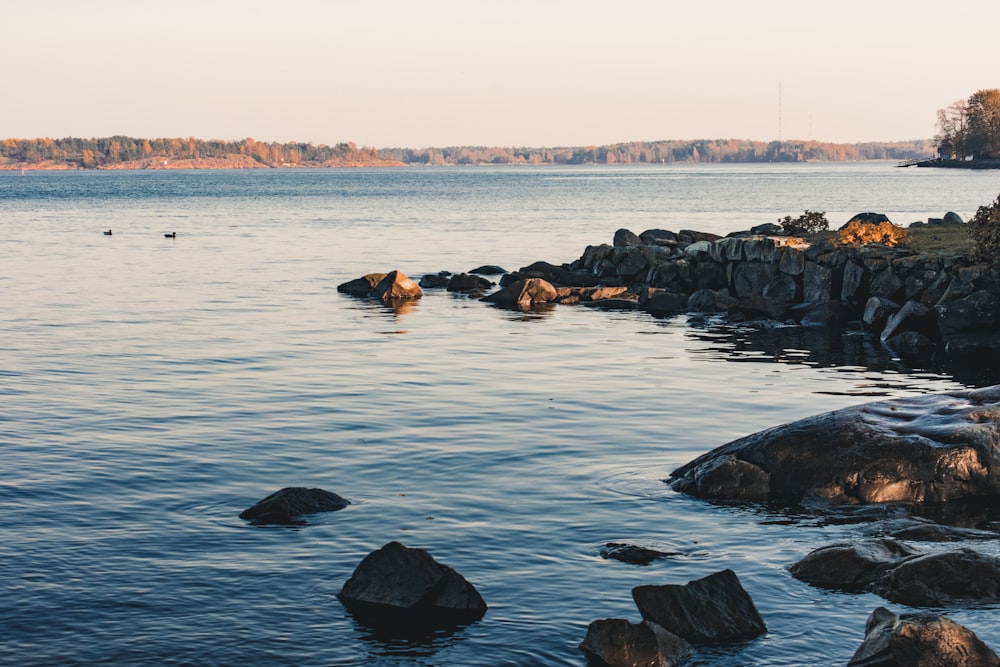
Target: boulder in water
x,y
286,505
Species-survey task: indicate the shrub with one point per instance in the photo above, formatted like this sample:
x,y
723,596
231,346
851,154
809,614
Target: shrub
x,y
807,223
985,230
860,233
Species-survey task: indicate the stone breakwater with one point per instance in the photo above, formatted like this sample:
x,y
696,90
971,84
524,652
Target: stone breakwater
x,y
915,302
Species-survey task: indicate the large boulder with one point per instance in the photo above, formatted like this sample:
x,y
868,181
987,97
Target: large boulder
x,y
396,286
286,505
920,640
361,286
524,294
404,589
712,609
851,567
924,449
616,642
938,579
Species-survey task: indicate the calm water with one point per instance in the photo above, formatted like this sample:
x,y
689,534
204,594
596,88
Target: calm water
x,y
151,389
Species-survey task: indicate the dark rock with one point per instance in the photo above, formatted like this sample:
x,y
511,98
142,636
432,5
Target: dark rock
x,y
854,288
467,282
523,294
624,237
361,286
829,314
850,567
791,261
616,642
750,278
939,579
952,218
920,640
710,301
923,449
923,530
435,280
659,237
980,311
616,303
689,236
715,608
913,316
630,553
404,589
489,270
665,304
768,229
396,286
783,288
911,343
886,284
286,505
817,283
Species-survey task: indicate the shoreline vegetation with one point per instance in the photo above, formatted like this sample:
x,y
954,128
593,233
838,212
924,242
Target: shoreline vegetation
x,y
120,152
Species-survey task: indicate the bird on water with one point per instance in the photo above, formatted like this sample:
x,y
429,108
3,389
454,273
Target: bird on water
x,y
171,235
107,233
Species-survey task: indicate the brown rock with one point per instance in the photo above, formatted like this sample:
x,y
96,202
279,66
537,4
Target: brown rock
x,y
617,643
920,640
396,286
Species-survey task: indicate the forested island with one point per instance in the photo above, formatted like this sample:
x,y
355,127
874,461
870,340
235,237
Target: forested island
x,y
120,152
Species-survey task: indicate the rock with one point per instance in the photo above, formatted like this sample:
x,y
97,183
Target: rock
x,y
851,567
361,286
435,280
710,301
524,294
923,449
286,505
396,286
913,316
630,553
616,642
665,303
715,608
978,312
405,589
867,218
467,282
626,238
659,237
923,530
878,310
911,343
489,270
939,579
768,229
920,640
952,218
817,283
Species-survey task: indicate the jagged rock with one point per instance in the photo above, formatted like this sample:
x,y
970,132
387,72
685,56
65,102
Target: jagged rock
x,y
913,316
878,310
939,579
920,640
489,270
715,608
616,642
851,567
524,294
361,286
922,449
630,553
467,282
403,589
286,505
396,286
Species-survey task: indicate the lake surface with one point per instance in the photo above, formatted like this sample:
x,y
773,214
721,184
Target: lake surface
x,y
153,388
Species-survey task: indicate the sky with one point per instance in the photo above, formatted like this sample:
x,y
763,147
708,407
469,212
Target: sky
x,y
412,73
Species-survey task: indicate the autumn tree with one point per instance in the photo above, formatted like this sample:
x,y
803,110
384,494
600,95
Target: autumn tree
x,y
971,128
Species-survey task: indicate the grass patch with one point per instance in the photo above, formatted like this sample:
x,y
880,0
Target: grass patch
x,y
943,239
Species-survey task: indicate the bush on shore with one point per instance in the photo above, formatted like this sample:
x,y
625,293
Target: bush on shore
x,y
985,230
809,222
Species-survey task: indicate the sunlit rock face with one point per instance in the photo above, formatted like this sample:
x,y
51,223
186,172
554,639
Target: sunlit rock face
x,y
920,640
924,449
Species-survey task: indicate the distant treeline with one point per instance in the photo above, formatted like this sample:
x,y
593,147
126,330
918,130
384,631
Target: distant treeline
x,y
659,152
119,150
107,151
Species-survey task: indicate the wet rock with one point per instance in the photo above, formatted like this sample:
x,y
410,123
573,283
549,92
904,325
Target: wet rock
x,y
913,316
396,286
851,567
665,303
361,286
920,640
715,608
939,579
978,312
467,282
489,270
435,280
924,449
922,530
630,553
878,310
616,642
405,589
286,505
524,294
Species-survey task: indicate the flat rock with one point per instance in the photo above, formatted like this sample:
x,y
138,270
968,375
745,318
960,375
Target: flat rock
x,y
618,643
924,449
405,589
920,640
715,608
286,505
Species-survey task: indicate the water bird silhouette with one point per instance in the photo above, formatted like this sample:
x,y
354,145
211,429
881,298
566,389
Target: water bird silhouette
x,y
171,235
107,233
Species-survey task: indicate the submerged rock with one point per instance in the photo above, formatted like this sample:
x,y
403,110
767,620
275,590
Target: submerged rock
x,y
920,640
630,553
715,608
286,505
404,589
924,449
616,642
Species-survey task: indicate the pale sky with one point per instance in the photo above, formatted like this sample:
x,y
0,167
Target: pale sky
x,y
389,73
